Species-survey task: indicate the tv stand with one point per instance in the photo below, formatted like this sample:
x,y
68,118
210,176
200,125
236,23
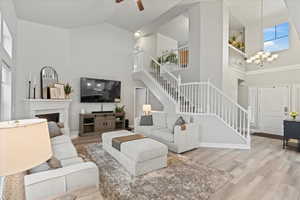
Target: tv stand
x,y
96,123
102,112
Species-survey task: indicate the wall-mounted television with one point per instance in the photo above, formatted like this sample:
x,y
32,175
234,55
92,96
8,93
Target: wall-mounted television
x,y
99,90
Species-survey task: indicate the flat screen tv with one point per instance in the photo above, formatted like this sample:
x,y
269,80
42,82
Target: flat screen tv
x,y
99,90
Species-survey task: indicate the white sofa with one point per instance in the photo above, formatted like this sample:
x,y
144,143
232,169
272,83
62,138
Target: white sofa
x,y
137,156
44,182
179,142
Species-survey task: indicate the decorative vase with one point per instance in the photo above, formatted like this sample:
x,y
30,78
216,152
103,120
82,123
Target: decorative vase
x,y
68,96
294,117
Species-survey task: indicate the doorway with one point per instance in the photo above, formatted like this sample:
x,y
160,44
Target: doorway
x,y
273,108
140,98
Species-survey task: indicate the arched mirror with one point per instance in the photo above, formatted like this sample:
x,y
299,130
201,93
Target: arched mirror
x,y
48,78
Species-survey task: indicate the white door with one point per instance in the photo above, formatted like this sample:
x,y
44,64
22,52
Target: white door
x,y
140,100
273,109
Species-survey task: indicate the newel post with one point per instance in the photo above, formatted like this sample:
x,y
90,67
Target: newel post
x,y
249,125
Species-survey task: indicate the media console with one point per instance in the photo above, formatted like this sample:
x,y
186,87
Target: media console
x,y
97,123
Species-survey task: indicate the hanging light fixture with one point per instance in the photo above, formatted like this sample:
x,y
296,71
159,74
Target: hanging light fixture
x,y
262,57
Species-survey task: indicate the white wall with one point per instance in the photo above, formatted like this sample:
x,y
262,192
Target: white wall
x,y
38,46
164,44
100,51
156,44
208,35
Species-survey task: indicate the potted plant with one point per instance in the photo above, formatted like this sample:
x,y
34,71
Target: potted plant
x,y
171,58
119,109
68,90
294,115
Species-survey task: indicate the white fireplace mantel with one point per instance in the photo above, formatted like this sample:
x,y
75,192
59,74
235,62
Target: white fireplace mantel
x,y
35,107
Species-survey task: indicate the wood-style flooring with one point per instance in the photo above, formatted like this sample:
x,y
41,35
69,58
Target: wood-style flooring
x,y
266,172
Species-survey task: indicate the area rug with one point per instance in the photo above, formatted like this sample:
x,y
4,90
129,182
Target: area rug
x,y
181,180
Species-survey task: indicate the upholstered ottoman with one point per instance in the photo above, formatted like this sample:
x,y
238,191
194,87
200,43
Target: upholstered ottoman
x,y
138,156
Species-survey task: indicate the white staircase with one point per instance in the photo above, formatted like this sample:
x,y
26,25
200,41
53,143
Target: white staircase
x,y
202,100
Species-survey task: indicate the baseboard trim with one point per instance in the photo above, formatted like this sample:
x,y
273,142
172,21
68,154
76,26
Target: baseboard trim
x,y
224,146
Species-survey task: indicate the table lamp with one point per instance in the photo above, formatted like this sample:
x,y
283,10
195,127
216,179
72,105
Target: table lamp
x,y
147,109
24,144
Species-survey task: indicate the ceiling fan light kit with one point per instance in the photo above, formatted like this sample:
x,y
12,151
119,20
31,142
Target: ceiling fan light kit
x,y
139,4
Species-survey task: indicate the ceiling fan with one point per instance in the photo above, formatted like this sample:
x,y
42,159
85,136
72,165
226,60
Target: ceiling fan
x,y
138,2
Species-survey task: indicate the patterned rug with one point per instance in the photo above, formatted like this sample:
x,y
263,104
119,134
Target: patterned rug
x,y
181,180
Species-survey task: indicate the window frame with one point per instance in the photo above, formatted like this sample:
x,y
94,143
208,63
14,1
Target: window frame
x,y
276,38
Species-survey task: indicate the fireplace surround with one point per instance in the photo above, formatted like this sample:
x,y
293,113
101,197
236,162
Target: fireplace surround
x,y
43,107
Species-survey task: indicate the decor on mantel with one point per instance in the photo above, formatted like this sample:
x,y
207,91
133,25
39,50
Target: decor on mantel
x,y
48,77
31,85
261,57
68,90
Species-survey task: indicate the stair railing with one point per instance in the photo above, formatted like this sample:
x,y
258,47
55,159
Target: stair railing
x,y
205,98
196,97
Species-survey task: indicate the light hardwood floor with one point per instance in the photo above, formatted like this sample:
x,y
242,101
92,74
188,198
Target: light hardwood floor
x,y
266,172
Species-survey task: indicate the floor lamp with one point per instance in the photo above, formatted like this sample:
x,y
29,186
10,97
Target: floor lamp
x,y
24,144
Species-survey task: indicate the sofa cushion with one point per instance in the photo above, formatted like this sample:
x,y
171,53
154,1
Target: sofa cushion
x,y
159,119
40,168
164,134
54,130
64,151
144,149
71,161
171,119
145,130
60,140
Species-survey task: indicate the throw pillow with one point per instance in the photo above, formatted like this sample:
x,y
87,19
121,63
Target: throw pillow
x,y
54,163
54,130
179,122
146,120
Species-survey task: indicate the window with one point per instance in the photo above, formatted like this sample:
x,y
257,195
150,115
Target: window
x,y
6,93
276,38
7,39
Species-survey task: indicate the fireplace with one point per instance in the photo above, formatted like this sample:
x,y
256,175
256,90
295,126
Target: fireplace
x,y
51,117
52,110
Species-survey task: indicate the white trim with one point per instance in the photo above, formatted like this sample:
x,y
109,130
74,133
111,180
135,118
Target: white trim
x,y
224,146
274,69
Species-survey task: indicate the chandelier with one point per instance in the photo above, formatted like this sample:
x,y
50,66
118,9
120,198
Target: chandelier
x,y
262,57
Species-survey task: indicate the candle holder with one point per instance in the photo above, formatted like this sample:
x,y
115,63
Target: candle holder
x,y
34,92
29,89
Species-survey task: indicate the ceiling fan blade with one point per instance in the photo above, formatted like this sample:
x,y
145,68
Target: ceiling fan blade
x,y
140,5
119,1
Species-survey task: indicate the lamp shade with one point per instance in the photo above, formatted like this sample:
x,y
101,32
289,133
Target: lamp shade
x,y
146,108
24,144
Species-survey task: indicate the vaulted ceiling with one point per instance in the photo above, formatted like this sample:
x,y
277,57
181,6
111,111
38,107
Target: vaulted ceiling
x,y
75,13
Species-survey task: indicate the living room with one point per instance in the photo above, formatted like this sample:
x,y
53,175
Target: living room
x,y
148,99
